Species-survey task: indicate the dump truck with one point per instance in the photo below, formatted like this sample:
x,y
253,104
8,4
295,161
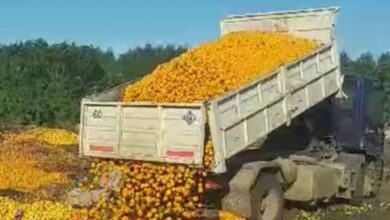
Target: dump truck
x,y
303,133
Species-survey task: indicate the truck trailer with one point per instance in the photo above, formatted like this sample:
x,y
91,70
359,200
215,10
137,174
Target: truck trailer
x,y
303,133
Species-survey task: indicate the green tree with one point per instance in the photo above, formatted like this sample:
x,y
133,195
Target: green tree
x,y
43,84
364,64
346,63
137,62
383,74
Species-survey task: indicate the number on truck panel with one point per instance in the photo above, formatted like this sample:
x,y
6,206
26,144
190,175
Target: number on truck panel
x,y
97,113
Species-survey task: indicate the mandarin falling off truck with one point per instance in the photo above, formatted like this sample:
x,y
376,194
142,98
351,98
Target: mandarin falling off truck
x,y
302,133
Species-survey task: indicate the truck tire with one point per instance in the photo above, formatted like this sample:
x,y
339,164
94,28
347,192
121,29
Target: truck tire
x,y
267,202
358,192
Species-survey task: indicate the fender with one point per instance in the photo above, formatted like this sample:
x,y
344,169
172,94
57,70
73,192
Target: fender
x,y
238,200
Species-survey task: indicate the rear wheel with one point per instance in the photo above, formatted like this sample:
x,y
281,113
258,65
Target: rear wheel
x,y
267,198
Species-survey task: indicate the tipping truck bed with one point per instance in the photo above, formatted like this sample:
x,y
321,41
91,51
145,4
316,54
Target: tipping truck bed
x,y
175,133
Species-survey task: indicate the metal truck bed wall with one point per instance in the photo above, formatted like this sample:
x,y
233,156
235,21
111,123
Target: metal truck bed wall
x,y
163,133
175,133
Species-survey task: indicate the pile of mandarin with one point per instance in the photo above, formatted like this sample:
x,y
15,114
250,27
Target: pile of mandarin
x,y
55,137
50,136
147,191
42,210
217,67
21,168
25,161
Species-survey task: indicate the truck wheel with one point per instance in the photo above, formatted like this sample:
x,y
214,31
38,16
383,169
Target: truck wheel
x,y
267,198
358,192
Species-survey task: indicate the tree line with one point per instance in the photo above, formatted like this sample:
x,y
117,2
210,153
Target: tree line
x,y
42,83
369,65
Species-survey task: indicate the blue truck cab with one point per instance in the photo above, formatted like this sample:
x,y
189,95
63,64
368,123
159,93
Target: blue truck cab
x,y
358,116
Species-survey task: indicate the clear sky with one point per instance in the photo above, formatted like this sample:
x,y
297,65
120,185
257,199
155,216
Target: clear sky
x,y
362,25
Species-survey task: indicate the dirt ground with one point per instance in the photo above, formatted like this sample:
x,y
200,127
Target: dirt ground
x,y
373,209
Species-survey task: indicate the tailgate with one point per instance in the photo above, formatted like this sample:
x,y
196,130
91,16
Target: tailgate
x,y
315,24
148,132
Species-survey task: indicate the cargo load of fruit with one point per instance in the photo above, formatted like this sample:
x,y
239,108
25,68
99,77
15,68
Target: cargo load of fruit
x,y
212,130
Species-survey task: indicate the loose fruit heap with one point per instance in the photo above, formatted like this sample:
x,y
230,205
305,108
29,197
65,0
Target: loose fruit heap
x,y
22,168
34,173
55,137
42,210
228,216
22,174
208,154
216,67
148,191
